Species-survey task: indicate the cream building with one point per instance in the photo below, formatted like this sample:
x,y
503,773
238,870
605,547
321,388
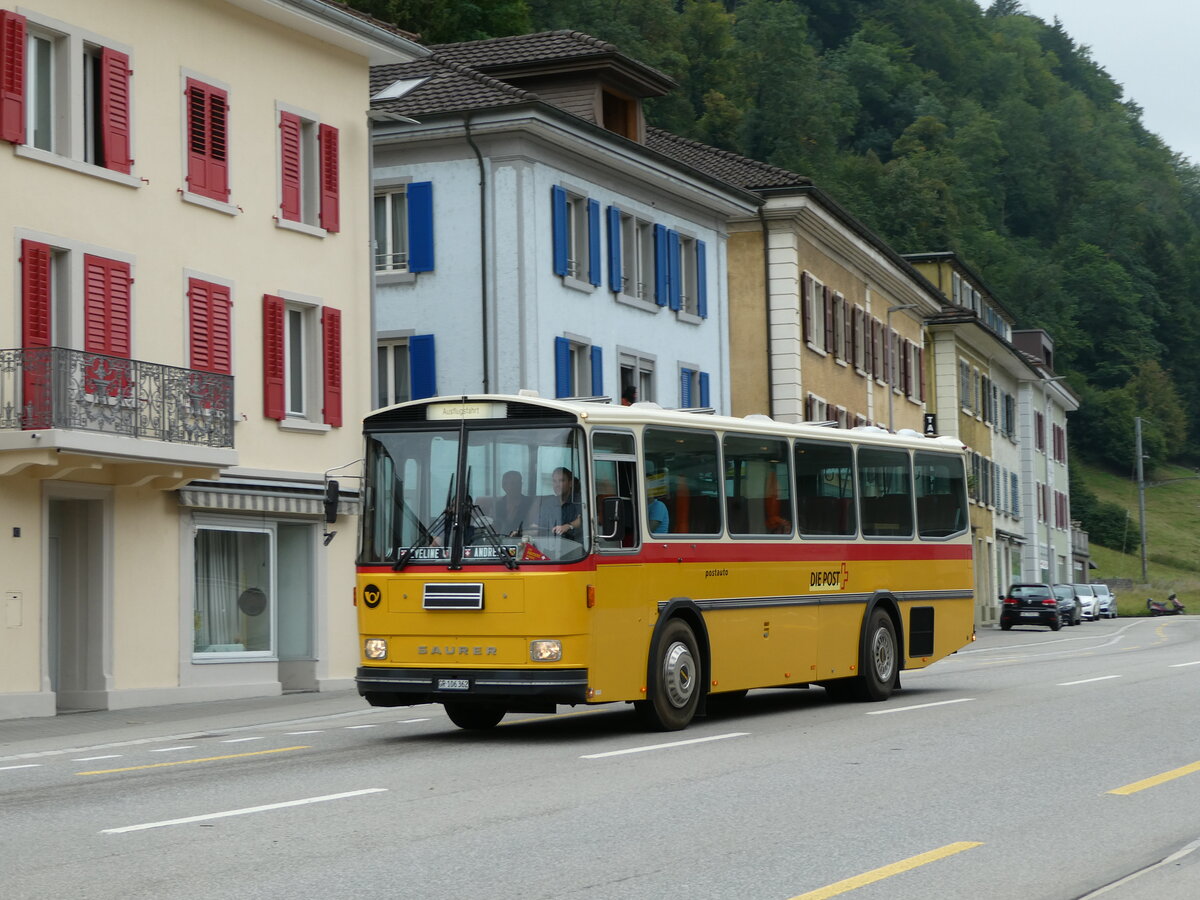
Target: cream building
x,y
186,303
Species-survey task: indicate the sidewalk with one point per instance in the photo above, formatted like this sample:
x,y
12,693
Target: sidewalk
x,y
77,730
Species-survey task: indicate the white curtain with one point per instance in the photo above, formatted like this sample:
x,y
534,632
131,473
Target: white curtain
x,y
217,588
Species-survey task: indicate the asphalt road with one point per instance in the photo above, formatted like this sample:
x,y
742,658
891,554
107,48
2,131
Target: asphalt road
x,y
1030,765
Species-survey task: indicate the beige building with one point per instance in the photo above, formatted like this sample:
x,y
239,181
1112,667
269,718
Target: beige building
x,y
187,305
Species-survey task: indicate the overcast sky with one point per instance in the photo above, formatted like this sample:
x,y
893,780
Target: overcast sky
x,y
1149,47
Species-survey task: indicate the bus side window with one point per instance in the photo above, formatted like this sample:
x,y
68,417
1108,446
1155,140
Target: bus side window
x,y
887,501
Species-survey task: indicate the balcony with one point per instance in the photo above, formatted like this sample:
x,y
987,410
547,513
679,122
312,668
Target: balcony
x,y
94,407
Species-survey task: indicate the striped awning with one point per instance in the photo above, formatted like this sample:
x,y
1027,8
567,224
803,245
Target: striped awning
x,y
287,498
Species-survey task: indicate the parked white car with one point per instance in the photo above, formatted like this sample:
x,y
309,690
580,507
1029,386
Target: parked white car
x,y
1087,599
1106,601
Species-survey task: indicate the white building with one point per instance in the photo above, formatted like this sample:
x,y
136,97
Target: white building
x,y
186,312
527,236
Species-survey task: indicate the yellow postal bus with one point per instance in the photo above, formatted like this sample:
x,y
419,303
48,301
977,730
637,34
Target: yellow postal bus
x,y
518,553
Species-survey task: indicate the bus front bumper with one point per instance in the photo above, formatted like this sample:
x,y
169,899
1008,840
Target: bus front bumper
x,y
515,688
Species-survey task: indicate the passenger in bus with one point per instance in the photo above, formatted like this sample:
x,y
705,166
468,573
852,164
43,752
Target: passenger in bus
x,y
511,512
562,514
657,516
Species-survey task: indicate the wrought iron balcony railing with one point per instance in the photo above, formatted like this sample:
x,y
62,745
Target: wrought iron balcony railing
x,y
54,387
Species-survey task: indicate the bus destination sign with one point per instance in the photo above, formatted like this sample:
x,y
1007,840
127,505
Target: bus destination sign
x,y
439,412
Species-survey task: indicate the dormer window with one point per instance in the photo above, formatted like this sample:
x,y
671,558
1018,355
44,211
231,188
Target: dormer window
x,y
620,114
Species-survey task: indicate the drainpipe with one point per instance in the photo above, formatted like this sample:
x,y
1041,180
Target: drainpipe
x,y
766,239
483,272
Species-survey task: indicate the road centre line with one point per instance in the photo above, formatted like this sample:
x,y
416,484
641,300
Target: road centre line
x,y
25,766
1086,680
293,733
1156,780
1181,665
352,727
169,749
184,762
407,721
241,740
241,812
703,740
884,712
896,868
94,758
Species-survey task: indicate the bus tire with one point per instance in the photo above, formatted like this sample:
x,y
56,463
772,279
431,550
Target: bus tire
x,y
475,716
675,680
878,665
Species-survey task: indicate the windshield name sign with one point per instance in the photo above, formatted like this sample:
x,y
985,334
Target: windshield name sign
x,y
443,411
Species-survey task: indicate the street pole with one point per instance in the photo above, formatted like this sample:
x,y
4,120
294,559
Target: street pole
x,y
1137,449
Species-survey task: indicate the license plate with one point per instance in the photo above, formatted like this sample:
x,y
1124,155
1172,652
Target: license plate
x,y
453,684
1031,613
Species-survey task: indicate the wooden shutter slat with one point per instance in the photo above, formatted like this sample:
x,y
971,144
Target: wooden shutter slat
x,y
422,364
207,123
615,277
12,77
327,136
290,173
558,228
114,110
35,294
331,341
274,398
199,315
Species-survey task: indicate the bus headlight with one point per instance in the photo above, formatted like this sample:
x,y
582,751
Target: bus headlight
x,y
545,651
375,648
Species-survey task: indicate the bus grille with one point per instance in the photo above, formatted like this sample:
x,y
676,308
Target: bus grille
x,y
454,596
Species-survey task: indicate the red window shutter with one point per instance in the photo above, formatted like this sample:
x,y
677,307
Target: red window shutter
x,y
114,110
207,122
35,294
331,339
221,329
199,302
290,173
107,287
327,135
273,372
12,77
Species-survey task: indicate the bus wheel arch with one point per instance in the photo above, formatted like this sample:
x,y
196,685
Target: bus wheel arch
x,y
881,656
677,668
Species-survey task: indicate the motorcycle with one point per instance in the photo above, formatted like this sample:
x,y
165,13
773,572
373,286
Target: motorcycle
x,y
1171,608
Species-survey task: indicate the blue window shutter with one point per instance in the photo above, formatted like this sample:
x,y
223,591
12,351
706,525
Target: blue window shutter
x,y
422,367
558,222
593,208
701,281
661,282
685,388
614,249
420,226
704,396
562,367
673,269
597,372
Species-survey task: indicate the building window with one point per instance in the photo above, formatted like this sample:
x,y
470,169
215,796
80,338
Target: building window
x,y
404,229
637,371
815,313
578,368
206,116
575,223
65,92
302,361
693,388
308,171
406,369
631,255
234,583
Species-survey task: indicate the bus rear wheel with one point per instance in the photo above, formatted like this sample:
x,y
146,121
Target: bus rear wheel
x,y
675,680
878,665
475,715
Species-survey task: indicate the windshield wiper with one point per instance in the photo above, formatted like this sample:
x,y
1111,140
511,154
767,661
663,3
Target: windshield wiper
x,y
424,535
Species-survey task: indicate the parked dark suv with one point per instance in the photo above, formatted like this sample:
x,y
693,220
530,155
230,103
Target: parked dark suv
x,y
1035,604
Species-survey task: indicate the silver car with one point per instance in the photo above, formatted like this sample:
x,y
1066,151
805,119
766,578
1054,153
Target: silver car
x,y
1087,599
1106,602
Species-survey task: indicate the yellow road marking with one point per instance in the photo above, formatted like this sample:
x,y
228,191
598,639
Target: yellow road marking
x,y
1155,780
184,762
883,872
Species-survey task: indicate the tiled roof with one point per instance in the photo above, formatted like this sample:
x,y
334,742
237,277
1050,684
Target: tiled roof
x,y
722,164
386,26
546,46
448,87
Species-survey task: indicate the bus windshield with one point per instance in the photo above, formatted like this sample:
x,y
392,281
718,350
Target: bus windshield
x,y
516,496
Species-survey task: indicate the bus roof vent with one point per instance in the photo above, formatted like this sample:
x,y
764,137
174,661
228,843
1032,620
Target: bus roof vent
x,y
698,410
528,392
645,404
759,417
908,432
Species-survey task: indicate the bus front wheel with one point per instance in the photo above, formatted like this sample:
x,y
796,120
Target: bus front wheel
x,y
475,715
675,680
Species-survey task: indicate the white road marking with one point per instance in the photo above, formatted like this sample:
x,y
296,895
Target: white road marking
x,y
240,740
1087,680
90,758
1181,665
26,766
241,812
318,731
884,712
406,721
716,737
169,749
352,727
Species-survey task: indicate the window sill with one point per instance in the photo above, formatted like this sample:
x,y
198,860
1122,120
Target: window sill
x,y
209,203
382,278
304,425
302,227
76,165
584,287
638,303
688,317
815,349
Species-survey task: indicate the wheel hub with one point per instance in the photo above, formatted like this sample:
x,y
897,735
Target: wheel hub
x,y
679,674
883,656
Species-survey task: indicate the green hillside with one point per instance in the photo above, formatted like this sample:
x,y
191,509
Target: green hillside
x,y
1172,535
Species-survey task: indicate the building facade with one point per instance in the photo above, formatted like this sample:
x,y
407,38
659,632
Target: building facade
x,y
186,308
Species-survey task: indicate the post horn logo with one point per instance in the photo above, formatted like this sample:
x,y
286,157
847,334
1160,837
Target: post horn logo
x,y
372,595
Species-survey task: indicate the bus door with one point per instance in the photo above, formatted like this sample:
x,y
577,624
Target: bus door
x,y
620,623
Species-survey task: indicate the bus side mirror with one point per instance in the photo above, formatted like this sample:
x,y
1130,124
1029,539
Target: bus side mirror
x,y
614,510
331,501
